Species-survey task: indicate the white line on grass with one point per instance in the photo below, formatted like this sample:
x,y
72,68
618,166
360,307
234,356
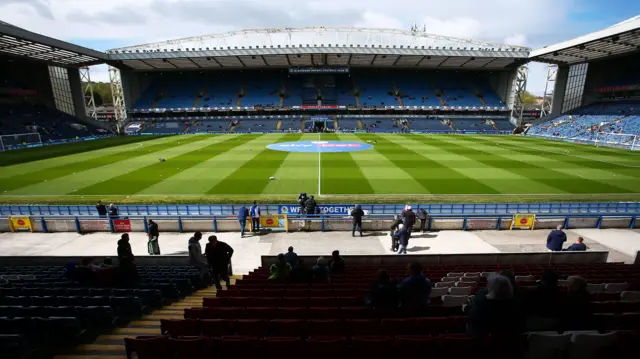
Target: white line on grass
x,y
564,194
319,169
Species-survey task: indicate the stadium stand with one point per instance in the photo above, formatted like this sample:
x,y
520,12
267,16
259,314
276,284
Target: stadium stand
x,y
262,317
46,309
593,121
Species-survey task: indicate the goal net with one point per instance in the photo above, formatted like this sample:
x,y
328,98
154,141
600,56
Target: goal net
x,y
20,140
620,140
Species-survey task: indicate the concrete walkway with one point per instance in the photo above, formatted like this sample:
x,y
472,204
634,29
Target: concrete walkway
x,y
621,244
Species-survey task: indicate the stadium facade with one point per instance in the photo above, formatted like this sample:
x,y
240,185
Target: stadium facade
x,y
329,78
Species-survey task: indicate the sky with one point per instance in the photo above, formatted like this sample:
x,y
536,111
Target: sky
x,y
106,24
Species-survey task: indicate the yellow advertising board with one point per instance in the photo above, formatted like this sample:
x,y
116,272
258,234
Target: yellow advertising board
x,y
274,222
523,221
20,224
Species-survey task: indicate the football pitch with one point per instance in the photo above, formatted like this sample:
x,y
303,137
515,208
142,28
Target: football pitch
x,y
239,168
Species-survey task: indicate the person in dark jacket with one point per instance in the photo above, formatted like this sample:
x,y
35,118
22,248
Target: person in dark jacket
x,y
254,212
578,246
424,218
556,238
219,257
336,263
497,312
403,239
547,299
113,211
384,292
243,213
320,271
195,253
357,213
576,313
127,273
310,206
414,291
397,221
302,199
408,219
153,246
102,209
299,273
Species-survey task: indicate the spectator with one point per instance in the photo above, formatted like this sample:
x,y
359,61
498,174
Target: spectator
x,y
384,292
408,219
299,273
254,211
302,199
424,218
125,255
195,252
280,270
482,292
310,206
546,300
243,213
113,211
578,246
556,238
357,213
576,312
394,228
84,273
336,263
219,257
320,271
291,257
102,209
414,290
495,313
106,263
402,236
153,246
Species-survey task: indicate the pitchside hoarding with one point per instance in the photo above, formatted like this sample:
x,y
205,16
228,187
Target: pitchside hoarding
x,y
343,209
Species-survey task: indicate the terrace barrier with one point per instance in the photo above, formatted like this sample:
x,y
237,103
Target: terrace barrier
x,y
562,209
322,222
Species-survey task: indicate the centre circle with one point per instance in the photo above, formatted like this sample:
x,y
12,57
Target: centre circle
x,y
319,146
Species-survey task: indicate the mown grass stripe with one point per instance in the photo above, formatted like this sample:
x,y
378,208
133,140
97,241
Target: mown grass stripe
x,y
137,180
27,179
339,173
297,173
568,179
583,148
253,176
436,177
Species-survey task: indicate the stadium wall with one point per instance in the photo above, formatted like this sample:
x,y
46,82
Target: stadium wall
x,y
559,90
35,75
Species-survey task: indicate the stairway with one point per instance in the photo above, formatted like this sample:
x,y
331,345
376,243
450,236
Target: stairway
x,y
186,129
283,91
111,346
243,91
159,97
395,90
278,125
360,125
233,126
302,122
335,124
442,101
355,86
203,91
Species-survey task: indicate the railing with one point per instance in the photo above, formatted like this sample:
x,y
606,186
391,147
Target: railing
x,y
323,222
383,209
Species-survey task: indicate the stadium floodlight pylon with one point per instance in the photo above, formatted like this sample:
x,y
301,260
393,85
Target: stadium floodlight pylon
x,y
550,84
87,89
8,142
119,108
519,88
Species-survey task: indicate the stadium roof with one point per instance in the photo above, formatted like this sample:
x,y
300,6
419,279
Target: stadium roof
x,y
618,39
319,46
19,42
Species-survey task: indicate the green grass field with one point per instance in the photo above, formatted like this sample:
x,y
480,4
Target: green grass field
x,y
236,168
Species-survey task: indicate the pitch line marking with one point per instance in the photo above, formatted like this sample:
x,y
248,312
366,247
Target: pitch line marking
x,y
319,168
564,194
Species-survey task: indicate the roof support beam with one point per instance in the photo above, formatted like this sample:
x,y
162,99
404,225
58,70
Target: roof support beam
x,y
148,64
373,59
243,64
193,62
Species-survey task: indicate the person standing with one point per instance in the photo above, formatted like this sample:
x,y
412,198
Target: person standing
x,y
556,238
243,213
403,239
397,221
291,257
113,211
423,216
152,245
127,273
310,206
409,220
195,253
219,257
254,211
102,209
357,213
302,198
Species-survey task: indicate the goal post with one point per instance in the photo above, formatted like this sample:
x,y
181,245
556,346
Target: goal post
x,y
20,140
619,140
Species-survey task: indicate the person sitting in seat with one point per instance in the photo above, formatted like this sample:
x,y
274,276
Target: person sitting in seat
x,y
299,273
576,311
320,271
546,300
280,270
578,246
497,312
336,263
384,292
414,290
291,257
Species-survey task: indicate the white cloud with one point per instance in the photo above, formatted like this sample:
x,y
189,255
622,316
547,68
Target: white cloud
x,y
115,23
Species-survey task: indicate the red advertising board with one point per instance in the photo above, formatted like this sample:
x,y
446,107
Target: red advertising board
x,y
122,225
